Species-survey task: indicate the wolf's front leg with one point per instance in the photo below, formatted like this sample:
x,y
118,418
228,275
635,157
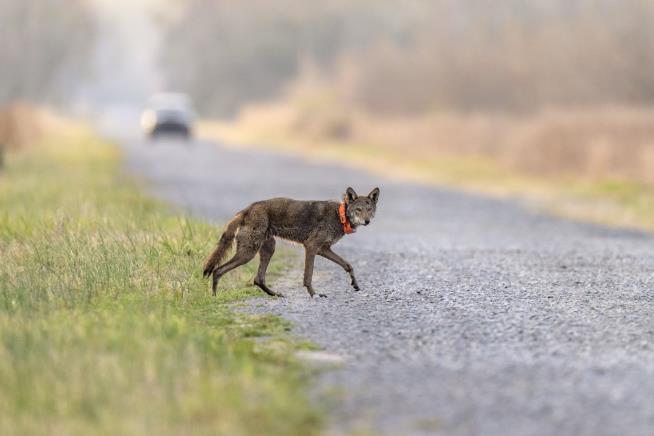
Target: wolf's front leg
x,y
308,271
327,253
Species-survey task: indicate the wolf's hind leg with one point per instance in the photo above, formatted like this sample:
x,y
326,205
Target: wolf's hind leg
x,y
246,248
240,258
327,253
265,254
214,282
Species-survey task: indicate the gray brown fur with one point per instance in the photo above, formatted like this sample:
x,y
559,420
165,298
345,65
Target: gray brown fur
x,y
314,224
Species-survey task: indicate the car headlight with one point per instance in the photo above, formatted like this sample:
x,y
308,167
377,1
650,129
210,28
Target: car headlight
x,y
148,120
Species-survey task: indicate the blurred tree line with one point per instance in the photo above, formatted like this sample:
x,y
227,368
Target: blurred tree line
x,y
416,55
45,48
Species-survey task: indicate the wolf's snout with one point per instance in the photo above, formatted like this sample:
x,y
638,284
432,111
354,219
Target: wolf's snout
x,y
367,222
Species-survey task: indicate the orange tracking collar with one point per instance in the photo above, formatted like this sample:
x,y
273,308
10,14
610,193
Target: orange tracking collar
x,y
345,221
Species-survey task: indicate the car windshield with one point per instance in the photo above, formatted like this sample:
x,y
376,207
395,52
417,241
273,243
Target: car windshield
x,y
169,113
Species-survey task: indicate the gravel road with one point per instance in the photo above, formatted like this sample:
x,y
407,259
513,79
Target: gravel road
x,y
476,316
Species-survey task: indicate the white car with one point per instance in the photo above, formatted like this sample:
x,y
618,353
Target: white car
x,y
168,114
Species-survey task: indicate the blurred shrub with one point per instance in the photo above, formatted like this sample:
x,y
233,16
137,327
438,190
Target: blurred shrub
x,y
45,45
544,86
20,125
251,49
417,55
320,113
592,143
515,56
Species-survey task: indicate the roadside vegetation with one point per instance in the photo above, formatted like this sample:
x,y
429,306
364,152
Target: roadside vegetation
x,y
106,326
49,48
412,57
525,98
586,164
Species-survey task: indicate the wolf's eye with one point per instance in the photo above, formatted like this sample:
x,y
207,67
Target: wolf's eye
x,y
357,210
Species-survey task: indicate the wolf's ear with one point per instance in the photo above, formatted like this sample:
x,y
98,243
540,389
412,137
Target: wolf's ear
x,y
350,195
374,195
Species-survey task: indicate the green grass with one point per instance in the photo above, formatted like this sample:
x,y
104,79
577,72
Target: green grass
x,y
106,325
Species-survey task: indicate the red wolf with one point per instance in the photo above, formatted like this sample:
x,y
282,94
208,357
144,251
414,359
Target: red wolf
x,y
315,224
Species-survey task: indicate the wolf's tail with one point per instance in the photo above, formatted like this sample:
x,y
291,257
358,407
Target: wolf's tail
x,y
224,244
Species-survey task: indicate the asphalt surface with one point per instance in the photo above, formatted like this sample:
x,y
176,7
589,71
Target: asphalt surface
x,y
476,316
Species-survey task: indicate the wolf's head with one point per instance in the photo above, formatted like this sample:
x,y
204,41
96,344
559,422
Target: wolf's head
x,y
360,210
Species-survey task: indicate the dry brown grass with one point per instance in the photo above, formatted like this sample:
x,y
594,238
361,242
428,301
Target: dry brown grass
x,y
22,124
589,144
595,164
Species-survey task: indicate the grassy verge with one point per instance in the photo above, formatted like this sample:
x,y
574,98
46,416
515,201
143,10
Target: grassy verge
x,y
607,201
106,326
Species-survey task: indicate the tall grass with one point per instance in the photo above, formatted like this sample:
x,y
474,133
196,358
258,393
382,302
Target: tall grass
x,y
106,326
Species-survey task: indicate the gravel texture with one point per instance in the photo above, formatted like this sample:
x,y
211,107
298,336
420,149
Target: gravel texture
x,y
476,316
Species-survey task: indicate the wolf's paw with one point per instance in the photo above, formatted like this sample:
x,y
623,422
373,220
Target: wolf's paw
x,y
322,295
